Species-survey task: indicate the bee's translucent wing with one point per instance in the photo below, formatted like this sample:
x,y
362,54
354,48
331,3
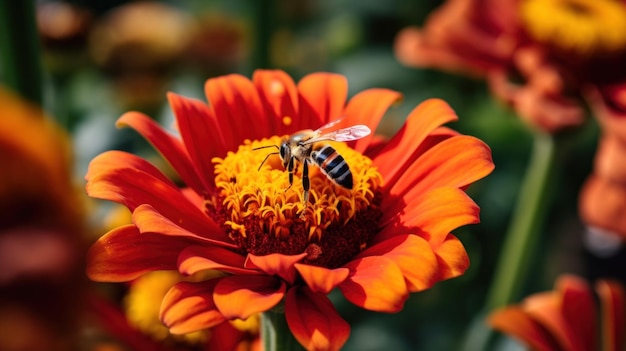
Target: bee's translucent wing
x,y
344,134
329,125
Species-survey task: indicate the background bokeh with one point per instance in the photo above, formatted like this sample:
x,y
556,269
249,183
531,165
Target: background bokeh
x,y
102,58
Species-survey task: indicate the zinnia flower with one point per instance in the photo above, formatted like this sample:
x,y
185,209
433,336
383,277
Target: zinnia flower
x,y
568,317
378,242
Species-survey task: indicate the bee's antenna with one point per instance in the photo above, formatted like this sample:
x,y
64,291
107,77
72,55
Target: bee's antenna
x,y
268,155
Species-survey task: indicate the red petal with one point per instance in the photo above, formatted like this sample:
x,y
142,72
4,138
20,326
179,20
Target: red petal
x,y
455,162
236,103
189,307
613,302
578,309
430,114
170,147
321,279
314,321
276,264
413,255
375,283
202,133
225,337
517,323
114,159
279,97
124,254
435,213
134,186
368,107
147,219
241,296
322,99
198,258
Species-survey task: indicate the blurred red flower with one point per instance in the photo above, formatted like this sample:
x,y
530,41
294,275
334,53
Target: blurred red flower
x,y
567,318
387,237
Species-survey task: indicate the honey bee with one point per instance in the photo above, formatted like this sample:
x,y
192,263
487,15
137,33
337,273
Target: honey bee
x,y
305,147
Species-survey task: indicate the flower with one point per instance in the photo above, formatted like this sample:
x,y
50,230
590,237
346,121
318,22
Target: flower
x,y
567,318
387,237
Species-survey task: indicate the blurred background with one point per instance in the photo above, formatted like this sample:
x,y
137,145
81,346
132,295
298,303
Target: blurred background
x,y
102,58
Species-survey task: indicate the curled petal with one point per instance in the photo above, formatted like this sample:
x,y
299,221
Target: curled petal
x,y
170,147
322,99
276,264
452,258
115,159
194,259
240,296
517,323
413,255
578,307
321,279
188,307
147,219
426,117
314,321
375,283
124,254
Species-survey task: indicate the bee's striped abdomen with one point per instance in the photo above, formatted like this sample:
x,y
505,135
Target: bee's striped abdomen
x,y
333,165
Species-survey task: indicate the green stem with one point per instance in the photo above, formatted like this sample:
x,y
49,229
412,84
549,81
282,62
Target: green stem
x,y
264,10
21,67
528,217
275,333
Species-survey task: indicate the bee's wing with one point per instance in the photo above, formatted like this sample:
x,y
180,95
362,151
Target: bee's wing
x,y
344,134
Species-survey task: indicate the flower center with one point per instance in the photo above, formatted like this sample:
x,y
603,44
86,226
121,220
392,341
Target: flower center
x,y
583,27
265,214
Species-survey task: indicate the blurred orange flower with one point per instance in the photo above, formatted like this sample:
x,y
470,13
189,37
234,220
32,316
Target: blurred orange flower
x,y
387,237
546,59
567,318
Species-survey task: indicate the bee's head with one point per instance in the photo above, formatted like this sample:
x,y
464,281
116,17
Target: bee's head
x,y
285,153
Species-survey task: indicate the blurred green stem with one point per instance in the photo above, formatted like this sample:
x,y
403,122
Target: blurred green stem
x,y
20,53
264,10
275,333
525,228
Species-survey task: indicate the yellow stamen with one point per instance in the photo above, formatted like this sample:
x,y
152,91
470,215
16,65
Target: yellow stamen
x,y
584,27
266,196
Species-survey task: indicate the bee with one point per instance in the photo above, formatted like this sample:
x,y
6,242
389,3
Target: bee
x,y
307,148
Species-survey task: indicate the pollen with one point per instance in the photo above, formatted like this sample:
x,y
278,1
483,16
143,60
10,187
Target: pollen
x,y
265,214
582,27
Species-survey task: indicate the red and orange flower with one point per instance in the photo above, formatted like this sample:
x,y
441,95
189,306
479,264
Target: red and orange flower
x,y
567,318
387,237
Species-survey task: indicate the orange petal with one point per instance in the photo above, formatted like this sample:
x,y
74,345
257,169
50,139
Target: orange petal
x,y
133,187
194,259
314,321
427,116
321,279
435,213
189,307
322,99
201,131
452,258
115,159
124,254
169,146
279,97
375,283
240,296
147,219
455,162
518,324
546,309
413,255
276,264
613,303
368,107
236,103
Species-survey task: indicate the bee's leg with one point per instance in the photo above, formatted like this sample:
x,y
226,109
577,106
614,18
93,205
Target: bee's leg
x,y
290,171
306,184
